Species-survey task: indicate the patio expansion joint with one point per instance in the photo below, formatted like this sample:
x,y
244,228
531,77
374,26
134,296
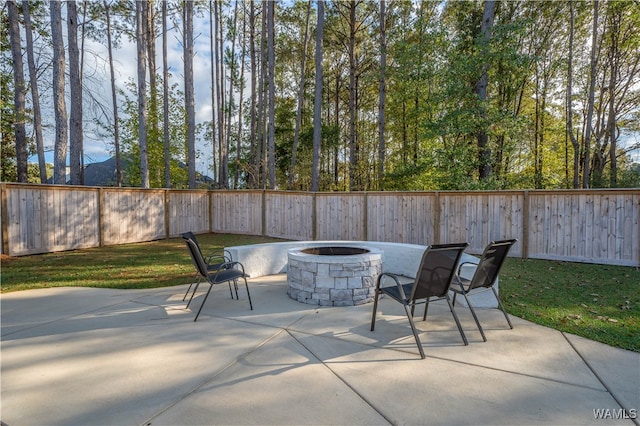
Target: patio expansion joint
x,y
337,376
597,376
604,389
63,318
212,377
502,370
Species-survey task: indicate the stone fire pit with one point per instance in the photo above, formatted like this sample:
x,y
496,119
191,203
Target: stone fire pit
x,y
333,275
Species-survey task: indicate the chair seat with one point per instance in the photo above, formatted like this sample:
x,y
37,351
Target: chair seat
x,y
225,275
394,291
466,285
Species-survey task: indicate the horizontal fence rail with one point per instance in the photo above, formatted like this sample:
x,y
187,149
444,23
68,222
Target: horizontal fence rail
x,y
595,226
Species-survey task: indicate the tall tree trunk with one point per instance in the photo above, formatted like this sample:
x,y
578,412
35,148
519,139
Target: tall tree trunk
x,y
591,94
253,132
116,124
141,44
262,101
272,93
382,92
60,107
214,106
317,104
165,100
75,116
232,78
151,59
574,140
296,131
351,50
484,152
236,175
614,28
19,92
189,96
218,54
35,95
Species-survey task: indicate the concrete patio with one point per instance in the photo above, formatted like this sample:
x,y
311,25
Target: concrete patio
x,y
79,356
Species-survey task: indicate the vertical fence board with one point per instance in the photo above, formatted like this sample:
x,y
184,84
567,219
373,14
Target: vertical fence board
x,y
479,218
188,211
237,212
401,217
289,215
133,215
340,216
42,219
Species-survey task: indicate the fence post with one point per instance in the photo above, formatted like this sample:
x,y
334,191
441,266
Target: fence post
x,y
525,225
264,212
314,216
210,218
4,217
436,219
167,218
365,225
100,217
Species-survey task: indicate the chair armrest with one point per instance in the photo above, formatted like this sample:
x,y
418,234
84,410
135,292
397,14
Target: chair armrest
x,y
461,264
220,257
397,281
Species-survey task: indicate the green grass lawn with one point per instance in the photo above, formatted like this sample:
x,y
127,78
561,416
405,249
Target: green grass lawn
x,y
599,302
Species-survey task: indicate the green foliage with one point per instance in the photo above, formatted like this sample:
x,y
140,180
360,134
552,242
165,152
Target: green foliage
x,y
155,142
8,170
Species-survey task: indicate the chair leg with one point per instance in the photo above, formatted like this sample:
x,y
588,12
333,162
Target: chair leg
x,y
230,290
413,329
235,285
426,308
495,293
187,292
198,278
455,317
475,317
375,305
205,299
193,293
248,294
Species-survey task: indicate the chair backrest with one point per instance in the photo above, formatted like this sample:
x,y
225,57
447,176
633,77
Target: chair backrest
x,y
490,263
196,254
191,236
437,269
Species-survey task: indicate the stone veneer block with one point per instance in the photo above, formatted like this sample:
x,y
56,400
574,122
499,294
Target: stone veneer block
x,y
333,280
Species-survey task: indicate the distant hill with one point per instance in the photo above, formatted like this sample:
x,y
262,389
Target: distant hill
x,y
104,174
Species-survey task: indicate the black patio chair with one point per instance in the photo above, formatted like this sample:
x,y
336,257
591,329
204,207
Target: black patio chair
x,y
229,272
432,282
214,261
484,278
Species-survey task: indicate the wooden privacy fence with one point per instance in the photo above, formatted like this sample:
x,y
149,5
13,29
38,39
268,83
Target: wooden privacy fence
x,y
597,226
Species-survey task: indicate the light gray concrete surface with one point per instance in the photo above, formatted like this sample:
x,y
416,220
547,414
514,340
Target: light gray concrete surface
x,y
74,356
